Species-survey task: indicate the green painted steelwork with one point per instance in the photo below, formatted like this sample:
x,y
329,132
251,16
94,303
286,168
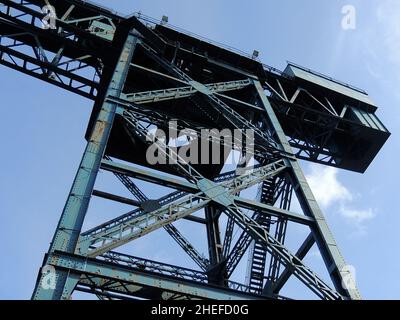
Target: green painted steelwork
x,y
71,221
208,86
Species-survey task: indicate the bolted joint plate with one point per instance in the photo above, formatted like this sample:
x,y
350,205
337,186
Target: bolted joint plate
x,y
200,87
215,192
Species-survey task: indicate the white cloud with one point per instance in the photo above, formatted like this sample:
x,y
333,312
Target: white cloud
x,y
326,187
357,215
357,218
330,192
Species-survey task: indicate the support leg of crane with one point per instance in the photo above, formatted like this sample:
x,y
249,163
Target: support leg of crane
x,y
333,259
71,221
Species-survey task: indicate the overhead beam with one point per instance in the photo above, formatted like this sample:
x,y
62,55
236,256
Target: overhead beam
x,y
145,97
21,60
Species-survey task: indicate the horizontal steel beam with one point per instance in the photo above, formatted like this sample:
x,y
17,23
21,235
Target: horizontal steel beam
x,y
273,211
195,219
113,197
20,62
140,264
79,265
182,92
148,176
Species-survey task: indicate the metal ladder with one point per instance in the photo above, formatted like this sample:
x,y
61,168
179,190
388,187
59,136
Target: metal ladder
x,y
258,254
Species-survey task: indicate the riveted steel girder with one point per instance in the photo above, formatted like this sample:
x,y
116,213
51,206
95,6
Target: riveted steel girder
x,y
71,221
208,86
102,272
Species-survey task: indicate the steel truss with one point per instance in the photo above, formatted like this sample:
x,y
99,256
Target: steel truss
x,y
85,260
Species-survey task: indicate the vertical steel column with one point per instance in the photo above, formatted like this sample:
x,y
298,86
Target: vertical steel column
x,y
333,259
71,221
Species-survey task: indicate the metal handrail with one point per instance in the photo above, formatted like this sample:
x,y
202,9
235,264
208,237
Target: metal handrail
x,y
146,18
319,74
269,68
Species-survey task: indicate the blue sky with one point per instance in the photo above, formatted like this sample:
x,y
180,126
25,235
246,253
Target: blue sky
x,y
42,128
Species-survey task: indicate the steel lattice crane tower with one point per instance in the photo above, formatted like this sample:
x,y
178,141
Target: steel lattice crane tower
x,y
142,74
